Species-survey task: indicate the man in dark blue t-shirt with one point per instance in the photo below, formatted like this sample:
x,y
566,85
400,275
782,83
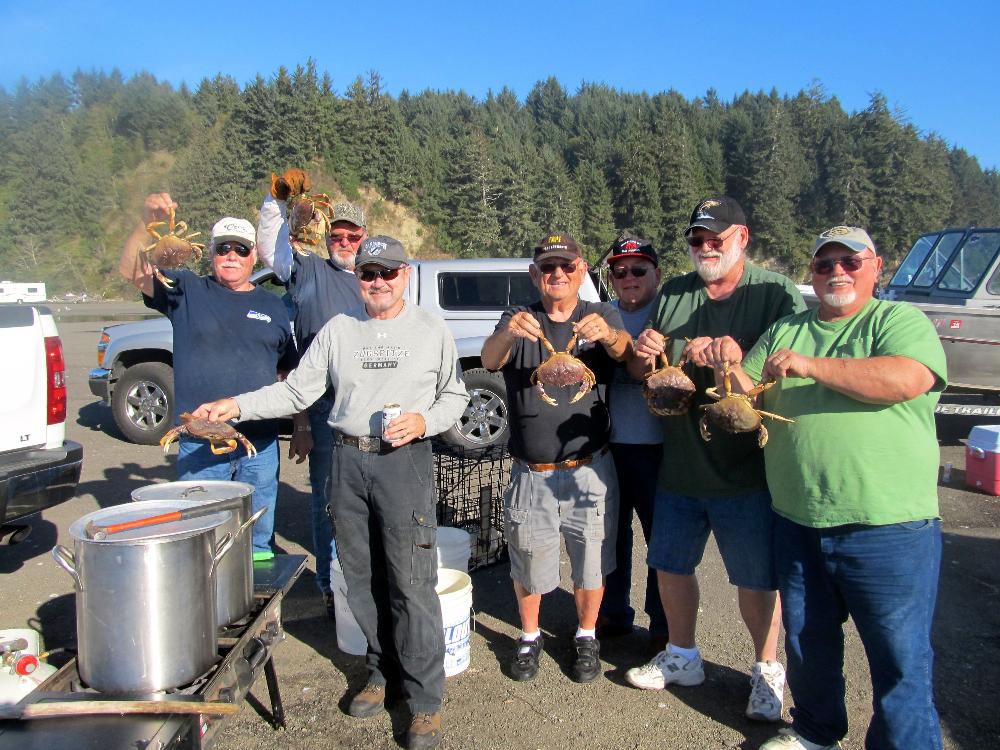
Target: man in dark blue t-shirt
x,y
229,335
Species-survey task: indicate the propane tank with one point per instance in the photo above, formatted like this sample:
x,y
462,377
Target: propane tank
x,y
21,667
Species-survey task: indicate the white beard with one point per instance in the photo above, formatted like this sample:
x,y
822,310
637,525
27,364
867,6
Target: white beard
x,y
346,265
840,300
727,259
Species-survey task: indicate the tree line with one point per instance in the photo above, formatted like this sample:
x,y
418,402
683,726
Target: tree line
x,y
485,177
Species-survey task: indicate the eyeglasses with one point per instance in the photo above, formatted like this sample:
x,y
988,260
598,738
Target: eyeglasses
x,y
352,238
227,247
825,266
620,272
550,268
713,243
369,275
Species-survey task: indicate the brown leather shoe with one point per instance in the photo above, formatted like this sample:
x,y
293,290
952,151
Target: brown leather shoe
x,y
368,702
425,731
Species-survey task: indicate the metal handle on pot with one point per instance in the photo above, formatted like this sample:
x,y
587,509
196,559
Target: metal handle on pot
x,y
67,562
251,521
220,551
189,490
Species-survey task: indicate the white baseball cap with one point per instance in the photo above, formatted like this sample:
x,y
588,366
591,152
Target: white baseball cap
x,y
230,228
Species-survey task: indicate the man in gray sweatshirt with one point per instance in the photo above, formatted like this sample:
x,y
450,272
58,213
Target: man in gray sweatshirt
x,y
381,483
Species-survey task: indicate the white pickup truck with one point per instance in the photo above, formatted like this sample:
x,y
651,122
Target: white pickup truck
x,y
39,468
135,374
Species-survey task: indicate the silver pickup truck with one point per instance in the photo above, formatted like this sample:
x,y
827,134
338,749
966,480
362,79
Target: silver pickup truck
x,y
135,360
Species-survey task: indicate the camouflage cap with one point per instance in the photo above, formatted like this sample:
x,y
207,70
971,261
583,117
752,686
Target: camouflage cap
x,y
350,213
853,238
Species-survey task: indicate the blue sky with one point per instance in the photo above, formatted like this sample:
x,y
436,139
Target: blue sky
x,y
933,61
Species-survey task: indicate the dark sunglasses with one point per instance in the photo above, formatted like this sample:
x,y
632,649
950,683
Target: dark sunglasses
x,y
549,268
848,263
226,247
620,272
386,274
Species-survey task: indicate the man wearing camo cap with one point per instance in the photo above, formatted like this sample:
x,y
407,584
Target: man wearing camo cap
x,y
321,288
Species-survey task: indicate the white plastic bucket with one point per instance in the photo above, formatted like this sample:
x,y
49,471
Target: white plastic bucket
x,y
454,548
454,589
350,639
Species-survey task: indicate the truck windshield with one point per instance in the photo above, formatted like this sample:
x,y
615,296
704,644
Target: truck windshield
x,y
935,263
971,262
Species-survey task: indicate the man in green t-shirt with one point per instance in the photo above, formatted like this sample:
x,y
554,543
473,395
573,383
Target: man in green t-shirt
x,y
725,304
854,483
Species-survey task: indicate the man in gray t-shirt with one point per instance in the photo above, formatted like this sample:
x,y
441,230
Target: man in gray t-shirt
x,y
636,446
382,483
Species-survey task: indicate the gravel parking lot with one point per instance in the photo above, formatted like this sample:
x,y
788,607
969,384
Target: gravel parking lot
x,y
483,708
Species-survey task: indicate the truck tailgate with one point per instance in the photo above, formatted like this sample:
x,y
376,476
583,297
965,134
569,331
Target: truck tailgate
x,y
23,394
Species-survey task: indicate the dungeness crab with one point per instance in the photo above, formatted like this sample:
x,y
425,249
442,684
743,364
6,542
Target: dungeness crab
x,y
171,249
668,391
562,369
309,216
222,436
735,412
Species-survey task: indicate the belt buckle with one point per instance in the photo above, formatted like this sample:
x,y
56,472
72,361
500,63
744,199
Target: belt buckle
x,y
368,444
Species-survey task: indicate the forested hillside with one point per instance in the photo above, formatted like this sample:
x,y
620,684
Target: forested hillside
x,y
482,177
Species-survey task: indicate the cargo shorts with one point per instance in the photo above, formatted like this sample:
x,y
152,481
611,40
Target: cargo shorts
x,y
580,504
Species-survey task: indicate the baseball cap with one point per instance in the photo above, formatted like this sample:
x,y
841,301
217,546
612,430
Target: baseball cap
x,y
380,250
716,214
855,239
630,246
231,228
350,213
560,246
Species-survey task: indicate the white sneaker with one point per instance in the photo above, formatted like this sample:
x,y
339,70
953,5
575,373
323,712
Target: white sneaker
x,y
767,691
789,739
666,668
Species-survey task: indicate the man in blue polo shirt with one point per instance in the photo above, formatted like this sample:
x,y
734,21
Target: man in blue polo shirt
x,y
229,335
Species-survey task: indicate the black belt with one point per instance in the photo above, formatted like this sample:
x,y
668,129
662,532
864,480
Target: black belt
x,y
369,444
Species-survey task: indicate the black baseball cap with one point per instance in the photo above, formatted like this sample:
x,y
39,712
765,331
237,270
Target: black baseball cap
x,y
380,250
630,246
716,214
560,246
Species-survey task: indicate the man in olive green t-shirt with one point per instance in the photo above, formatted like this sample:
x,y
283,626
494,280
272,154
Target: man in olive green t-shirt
x,y
854,485
725,304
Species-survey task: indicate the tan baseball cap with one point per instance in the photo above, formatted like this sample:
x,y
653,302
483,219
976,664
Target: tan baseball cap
x,y
853,238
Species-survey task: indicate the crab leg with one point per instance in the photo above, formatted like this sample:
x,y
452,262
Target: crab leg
x,y
251,451
544,396
775,416
762,437
215,445
170,436
757,389
545,342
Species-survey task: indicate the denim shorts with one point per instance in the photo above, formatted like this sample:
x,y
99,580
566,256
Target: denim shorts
x,y
743,527
581,504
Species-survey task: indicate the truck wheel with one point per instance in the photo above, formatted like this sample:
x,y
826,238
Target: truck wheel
x,y
484,422
143,402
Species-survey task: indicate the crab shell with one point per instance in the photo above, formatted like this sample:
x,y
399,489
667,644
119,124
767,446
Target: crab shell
x,y
170,251
733,413
562,369
668,391
221,435
308,223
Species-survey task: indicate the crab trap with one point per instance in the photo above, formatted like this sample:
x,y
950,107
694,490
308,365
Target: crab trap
x,y
469,486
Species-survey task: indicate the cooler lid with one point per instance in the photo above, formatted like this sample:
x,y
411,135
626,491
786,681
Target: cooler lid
x,y
146,509
986,438
200,491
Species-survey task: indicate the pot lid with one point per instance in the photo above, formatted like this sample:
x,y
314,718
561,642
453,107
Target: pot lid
x,y
201,491
82,528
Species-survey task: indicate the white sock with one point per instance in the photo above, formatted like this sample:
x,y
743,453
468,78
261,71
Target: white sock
x,y
586,633
687,653
529,638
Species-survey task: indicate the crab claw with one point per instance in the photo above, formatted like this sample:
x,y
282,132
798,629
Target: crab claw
x,y
251,451
163,279
169,437
762,436
703,428
219,450
544,396
584,390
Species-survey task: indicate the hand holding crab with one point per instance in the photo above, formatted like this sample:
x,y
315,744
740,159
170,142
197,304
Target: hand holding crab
x,y
562,369
735,412
174,247
220,434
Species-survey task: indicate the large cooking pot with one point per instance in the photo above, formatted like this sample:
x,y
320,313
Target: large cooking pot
x,y
234,582
145,598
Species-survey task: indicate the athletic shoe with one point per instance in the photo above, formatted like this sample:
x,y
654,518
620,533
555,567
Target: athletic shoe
x,y
587,666
524,666
789,739
767,691
667,668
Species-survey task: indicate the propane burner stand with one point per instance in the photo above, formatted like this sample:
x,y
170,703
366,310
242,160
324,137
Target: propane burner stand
x,y
246,650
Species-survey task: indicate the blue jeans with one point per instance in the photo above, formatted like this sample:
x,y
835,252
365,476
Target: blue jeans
x,y
319,479
885,578
637,467
195,460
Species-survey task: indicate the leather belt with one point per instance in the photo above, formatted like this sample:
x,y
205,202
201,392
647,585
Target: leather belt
x,y
365,443
570,464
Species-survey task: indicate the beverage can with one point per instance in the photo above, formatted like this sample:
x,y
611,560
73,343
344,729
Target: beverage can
x,y
389,413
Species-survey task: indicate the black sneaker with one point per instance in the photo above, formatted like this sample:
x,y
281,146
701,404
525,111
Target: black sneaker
x,y
587,666
524,666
